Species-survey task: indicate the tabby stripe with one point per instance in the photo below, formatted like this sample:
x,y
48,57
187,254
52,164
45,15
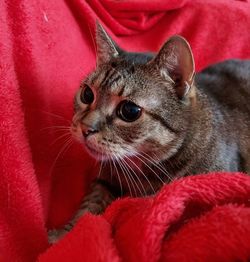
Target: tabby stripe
x,y
112,81
112,75
121,91
94,79
162,121
105,77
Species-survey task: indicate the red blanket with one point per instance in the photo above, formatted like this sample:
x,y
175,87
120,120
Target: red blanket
x,y
189,220
46,48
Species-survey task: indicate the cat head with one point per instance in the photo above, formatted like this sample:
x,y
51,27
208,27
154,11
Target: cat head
x,y
135,103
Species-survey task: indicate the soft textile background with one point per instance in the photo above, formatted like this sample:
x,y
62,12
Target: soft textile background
x,y
46,48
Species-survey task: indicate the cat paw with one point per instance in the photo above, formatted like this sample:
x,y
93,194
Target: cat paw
x,y
95,207
94,203
97,201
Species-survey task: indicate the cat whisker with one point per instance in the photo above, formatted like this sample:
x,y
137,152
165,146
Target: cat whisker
x,y
179,166
55,115
149,168
111,169
124,174
157,165
68,143
58,128
118,176
60,137
130,160
101,166
156,159
100,170
130,176
171,164
131,169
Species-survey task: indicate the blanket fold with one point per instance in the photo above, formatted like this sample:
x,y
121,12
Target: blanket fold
x,y
198,218
46,49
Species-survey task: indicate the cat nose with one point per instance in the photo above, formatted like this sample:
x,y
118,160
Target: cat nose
x,y
86,131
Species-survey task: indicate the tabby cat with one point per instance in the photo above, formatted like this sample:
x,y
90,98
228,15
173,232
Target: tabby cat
x,y
149,119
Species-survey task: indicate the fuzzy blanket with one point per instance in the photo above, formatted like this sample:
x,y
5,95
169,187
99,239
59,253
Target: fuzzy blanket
x,y
46,48
200,218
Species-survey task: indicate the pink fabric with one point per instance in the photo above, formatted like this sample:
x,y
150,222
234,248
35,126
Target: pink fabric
x,y
46,48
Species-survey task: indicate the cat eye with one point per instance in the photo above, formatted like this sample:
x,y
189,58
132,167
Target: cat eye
x,y
87,95
128,111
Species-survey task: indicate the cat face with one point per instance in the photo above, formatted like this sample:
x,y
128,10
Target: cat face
x,y
134,103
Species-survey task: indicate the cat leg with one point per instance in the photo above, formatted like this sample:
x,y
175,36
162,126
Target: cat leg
x,y
95,202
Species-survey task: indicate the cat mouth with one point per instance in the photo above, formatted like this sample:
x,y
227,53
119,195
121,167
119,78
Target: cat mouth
x,y
100,155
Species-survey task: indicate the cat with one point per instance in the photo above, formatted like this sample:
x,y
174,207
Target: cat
x,y
150,120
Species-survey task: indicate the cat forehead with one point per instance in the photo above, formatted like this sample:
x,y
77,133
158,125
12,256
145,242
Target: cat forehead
x,y
121,81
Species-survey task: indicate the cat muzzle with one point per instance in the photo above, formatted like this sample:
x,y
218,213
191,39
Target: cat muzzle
x,y
88,131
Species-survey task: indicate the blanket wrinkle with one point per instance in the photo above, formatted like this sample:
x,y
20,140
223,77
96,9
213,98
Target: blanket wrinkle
x,y
142,228
229,221
46,49
126,18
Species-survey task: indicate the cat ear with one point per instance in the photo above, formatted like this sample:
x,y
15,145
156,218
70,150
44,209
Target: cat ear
x,y
175,60
106,47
